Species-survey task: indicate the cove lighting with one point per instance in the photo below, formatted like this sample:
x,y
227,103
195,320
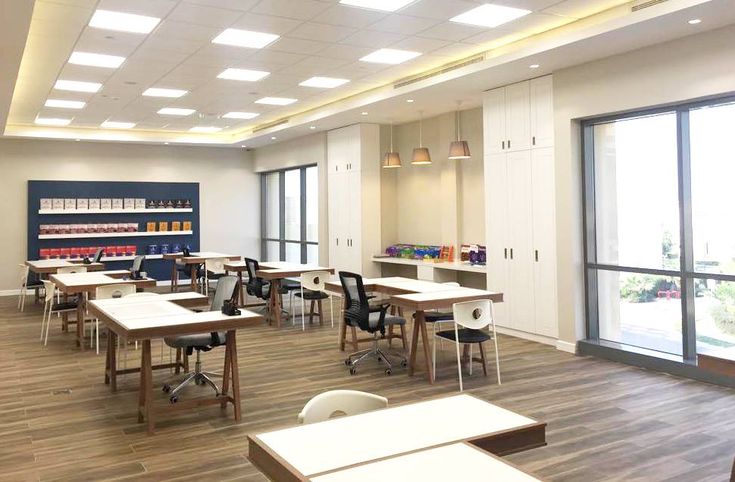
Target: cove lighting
x,y
390,56
245,38
176,111
77,86
243,74
240,115
323,82
96,60
275,101
50,121
384,5
489,15
205,129
123,22
158,92
117,125
65,104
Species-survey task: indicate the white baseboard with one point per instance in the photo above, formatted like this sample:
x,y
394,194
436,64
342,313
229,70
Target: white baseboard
x,y
546,340
566,346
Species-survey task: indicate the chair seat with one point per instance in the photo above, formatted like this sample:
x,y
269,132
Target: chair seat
x,y
434,316
312,295
389,319
466,335
290,285
34,284
197,340
64,306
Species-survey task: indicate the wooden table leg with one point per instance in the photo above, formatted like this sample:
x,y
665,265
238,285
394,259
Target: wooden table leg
x,y
241,290
414,346
112,347
276,301
425,342
173,275
193,274
232,344
80,321
146,388
226,374
107,361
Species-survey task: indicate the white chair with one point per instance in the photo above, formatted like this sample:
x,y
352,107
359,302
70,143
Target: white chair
x,y
24,276
50,308
340,402
105,293
473,316
314,283
215,266
70,270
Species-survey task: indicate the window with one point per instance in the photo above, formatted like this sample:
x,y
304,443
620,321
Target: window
x,y
659,241
290,203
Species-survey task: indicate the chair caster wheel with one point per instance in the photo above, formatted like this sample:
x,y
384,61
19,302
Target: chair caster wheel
x,y
166,388
353,370
173,399
404,364
388,371
348,362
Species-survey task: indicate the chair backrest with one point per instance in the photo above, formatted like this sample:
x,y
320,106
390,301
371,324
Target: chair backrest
x,y
71,269
49,287
254,284
215,265
24,270
337,402
473,314
314,280
226,287
98,255
137,264
357,305
113,291
142,294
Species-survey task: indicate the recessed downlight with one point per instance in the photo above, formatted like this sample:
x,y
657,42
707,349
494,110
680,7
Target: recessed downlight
x,y
534,66
363,113
123,22
410,101
96,60
245,38
273,138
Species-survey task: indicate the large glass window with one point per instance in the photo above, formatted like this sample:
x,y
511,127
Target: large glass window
x,y
660,244
290,215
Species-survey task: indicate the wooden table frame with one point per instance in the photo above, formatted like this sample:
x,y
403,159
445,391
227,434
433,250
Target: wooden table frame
x,y
193,261
41,270
500,443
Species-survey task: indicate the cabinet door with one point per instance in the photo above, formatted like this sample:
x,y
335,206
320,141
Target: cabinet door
x,y
518,116
520,265
493,110
542,112
544,241
353,221
496,214
335,203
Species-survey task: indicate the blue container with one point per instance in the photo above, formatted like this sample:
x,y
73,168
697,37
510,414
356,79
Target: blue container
x,y
164,249
152,249
176,248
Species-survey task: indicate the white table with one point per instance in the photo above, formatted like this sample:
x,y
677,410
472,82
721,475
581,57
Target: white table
x,y
47,266
306,450
195,259
434,271
455,462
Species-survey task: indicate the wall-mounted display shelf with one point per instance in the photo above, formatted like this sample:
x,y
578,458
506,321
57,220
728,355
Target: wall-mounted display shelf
x,y
114,211
134,234
108,259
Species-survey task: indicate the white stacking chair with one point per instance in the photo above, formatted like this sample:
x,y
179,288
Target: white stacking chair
x,y
216,266
314,282
23,292
51,308
473,317
105,293
340,402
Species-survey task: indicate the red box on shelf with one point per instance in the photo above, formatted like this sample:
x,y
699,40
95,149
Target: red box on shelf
x,y
44,253
65,253
130,250
121,250
54,253
74,253
111,251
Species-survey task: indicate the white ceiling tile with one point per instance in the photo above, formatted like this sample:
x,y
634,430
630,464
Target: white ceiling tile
x,y
346,52
299,9
367,38
187,31
266,23
404,24
438,9
243,5
582,8
314,66
151,8
321,32
271,58
202,15
451,31
297,46
107,42
349,16
525,26
85,73
160,42
417,44
152,54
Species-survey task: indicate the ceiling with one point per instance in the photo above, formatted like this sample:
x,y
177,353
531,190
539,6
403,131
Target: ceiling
x,y
317,38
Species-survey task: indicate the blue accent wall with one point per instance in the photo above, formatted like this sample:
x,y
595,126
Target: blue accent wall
x,y
156,268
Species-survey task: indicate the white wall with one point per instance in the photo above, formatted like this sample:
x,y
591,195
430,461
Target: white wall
x,y
229,191
687,68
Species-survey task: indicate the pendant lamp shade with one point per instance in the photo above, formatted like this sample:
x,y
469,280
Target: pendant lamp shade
x,y
391,159
421,156
459,150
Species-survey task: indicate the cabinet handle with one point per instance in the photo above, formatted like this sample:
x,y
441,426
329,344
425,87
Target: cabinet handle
x,y
536,255
508,143
503,146
505,253
533,140
511,253
337,241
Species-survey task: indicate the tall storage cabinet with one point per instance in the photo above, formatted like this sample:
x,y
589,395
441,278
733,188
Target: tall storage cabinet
x,y
521,218
353,184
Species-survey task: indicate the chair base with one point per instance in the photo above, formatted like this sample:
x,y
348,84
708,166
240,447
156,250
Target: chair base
x,y
354,359
198,377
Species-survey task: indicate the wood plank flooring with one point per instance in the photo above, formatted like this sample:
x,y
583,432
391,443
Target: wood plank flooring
x,y
606,421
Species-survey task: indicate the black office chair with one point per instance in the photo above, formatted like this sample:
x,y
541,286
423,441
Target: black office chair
x,y
372,319
98,255
137,265
259,287
226,288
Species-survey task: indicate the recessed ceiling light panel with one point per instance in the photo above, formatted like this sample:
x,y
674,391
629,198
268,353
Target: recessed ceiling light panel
x,y
117,125
695,21
275,101
243,74
158,92
240,115
384,5
390,56
245,38
323,82
50,121
123,22
77,86
96,60
176,111
65,104
490,15
205,129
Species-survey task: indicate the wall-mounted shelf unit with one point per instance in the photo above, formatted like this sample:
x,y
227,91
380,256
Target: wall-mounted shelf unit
x,y
134,234
114,211
109,259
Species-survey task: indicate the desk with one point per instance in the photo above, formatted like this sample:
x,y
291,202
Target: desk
x,y
295,453
192,261
148,318
275,271
49,266
81,283
460,461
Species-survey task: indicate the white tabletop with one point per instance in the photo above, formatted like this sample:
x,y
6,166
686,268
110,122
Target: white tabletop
x,y
450,293
97,278
320,447
51,263
453,462
184,295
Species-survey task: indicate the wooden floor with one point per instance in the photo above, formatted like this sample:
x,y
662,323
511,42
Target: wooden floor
x,y
606,421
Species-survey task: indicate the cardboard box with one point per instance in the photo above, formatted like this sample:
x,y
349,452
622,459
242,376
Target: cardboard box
x,y
140,203
150,226
129,203
187,225
105,204
82,203
47,203
176,226
70,203
117,203
57,203
163,226
94,203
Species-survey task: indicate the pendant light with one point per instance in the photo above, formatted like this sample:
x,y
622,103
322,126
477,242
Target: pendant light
x,y
458,149
391,159
421,156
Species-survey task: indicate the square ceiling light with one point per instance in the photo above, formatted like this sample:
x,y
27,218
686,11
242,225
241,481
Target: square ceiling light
x,y
158,92
490,15
205,129
243,74
96,60
390,56
323,82
384,5
77,86
123,22
176,111
65,104
50,121
240,115
275,101
117,125
245,38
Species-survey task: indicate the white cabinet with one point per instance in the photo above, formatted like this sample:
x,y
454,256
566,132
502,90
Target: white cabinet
x,y
353,183
521,226
494,121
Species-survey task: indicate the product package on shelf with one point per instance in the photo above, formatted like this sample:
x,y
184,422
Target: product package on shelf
x,y
179,204
150,204
176,226
150,226
117,203
163,226
57,204
128,203
82,203
105,204
94,203
46,203
186,225
70,203
139,203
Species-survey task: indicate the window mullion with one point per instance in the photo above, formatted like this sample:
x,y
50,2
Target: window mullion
x,y
282,215
688,327
302,213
